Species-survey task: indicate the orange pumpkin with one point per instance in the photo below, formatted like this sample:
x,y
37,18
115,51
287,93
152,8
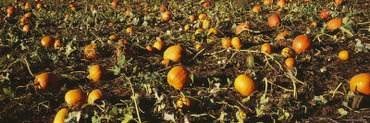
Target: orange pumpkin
x,y
281,3
273,20
198,46
183,103
256,9
334,24
235,42
178,77
129,30
163,8
149,48
289,63
281,35
241,27
159,45
287,52
174,53
90,52
226,42
57,44
61,115
96,95
10,10
338,2
245,85
47,42
267,2
166,16
301,43
212,31
186,27
74,98
96,73
360,83
206,24
201,17
46,80
27,6
266,48
206,4
343,55
114,3
26,28
28,14
325,13
191,18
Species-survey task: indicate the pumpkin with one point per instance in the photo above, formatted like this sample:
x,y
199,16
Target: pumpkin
x,y
281,35
198,46
159,45
28,14
178,77
183,102
46,80
267,2
96,73
266,48
26,28
186,27
57,44
242,114
191,18
212,31
113,37
245,85
74,97
338,2
241,27
343,55
27,6
128,12
334,24
166,16
96,95
163,8
201,17
324,13
281,3
206,4
226,42
47,42
149,48
129,30
287,52
90,52
174,53
301,43
273,20
289,63
114,3
10,10
360,83
256,9
198,31
314,24
206,24
39,6
235,42
61,115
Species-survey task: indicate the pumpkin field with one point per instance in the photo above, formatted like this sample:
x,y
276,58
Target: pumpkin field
x,y
184,61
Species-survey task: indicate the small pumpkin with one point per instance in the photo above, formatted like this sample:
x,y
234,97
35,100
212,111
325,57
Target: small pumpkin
x,y
57,44
281,3
191,18
273,20
163,8
74,97
206,4
10,10
96,73
198,46
314,24
149,48
114,3
183,103
206,24
178,77
360,83
26,28
256,9
166,16
334,24
235,42
46,80
343,55
241,27
287,52
27,6
174,53
186,27
47,42
267,2
301,43
201,17
289,63
338,2
90,51
96,95
245,85
281,35
159,45
198,31
61,115
212,31
324,13
28,14
266,48
113,37
129,30
226,42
